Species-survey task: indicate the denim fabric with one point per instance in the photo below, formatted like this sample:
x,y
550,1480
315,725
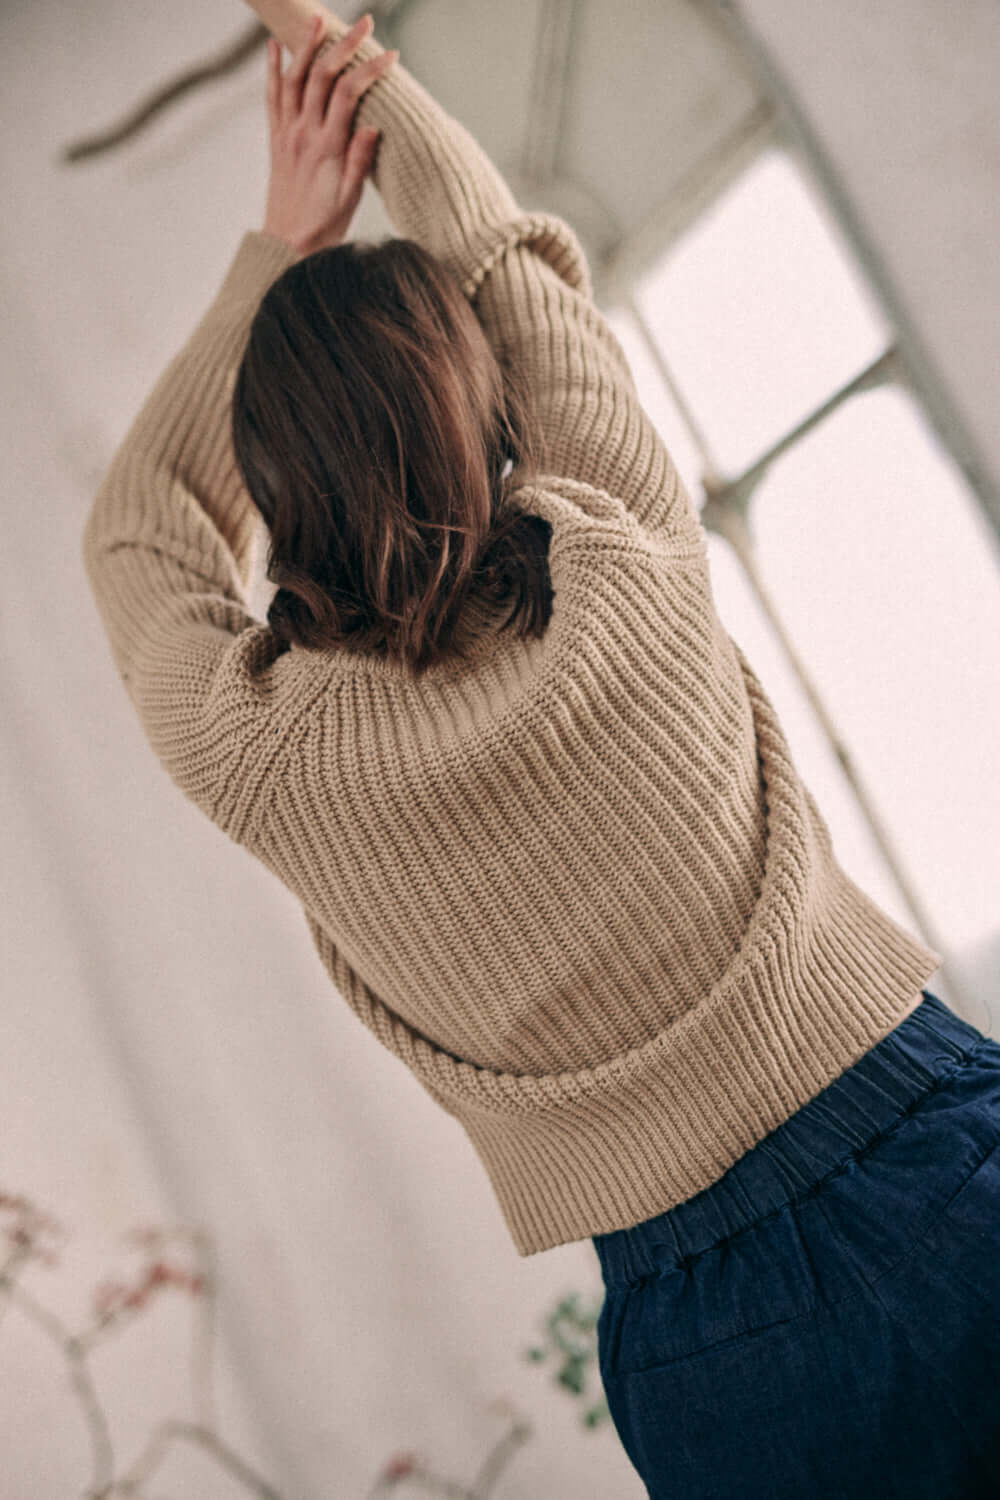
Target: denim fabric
x,y
823,1323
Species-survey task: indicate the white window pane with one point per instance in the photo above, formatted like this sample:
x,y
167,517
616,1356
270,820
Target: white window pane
x,y
657,401
878,561
760,312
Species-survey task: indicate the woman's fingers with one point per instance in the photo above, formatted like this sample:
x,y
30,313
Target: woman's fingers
x,y
349,88
349,43
329,61
360,157
293,81
273,81
319,88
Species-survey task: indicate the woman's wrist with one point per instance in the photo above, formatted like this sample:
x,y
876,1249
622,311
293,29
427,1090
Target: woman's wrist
x,y
289,21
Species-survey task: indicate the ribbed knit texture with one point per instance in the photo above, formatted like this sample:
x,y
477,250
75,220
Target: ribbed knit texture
x,y
575,884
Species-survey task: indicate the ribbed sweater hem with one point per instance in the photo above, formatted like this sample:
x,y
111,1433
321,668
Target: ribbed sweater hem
x,y
648,1140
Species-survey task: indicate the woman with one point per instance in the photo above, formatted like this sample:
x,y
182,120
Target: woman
x,y
544,824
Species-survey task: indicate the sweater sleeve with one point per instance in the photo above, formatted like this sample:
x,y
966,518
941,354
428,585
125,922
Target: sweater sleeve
x,y
528,278
167,549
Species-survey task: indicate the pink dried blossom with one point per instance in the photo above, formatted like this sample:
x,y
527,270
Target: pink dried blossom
x,y
401,1465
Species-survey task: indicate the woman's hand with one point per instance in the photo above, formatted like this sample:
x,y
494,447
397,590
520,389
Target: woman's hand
x,y
318,161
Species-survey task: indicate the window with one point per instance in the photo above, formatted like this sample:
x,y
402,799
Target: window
x,y
867,541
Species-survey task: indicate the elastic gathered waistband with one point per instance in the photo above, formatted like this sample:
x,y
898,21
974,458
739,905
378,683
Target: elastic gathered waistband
x,y
845,1120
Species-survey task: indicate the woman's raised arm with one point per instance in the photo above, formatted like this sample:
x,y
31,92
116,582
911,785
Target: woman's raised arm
x,y
438,186
526,273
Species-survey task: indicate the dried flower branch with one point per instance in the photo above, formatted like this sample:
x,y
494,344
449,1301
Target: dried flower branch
x,y
115,1303
182,1260
412,1468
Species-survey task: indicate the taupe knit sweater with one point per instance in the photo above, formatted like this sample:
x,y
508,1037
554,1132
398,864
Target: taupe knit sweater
x,y
576,884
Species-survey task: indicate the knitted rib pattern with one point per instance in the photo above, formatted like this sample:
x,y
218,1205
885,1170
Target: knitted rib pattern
x,y
575,884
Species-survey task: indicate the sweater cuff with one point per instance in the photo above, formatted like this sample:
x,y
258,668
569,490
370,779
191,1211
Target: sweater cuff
x,y
259,261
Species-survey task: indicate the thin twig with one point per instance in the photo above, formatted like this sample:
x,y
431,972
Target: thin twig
x,y
227,61
97,1424
170,1431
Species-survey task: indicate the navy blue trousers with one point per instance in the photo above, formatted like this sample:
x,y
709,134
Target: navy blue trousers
x,y
823,1322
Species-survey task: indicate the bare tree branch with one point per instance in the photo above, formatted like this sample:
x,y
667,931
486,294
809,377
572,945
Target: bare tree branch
x,y
227,61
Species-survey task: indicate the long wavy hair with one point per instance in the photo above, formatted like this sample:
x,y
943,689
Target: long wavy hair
x,y
379,436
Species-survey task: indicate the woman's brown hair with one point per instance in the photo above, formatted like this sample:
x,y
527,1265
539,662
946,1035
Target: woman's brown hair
x,y
372,425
